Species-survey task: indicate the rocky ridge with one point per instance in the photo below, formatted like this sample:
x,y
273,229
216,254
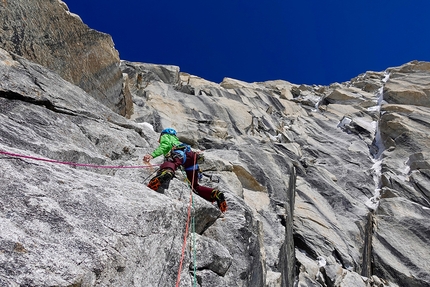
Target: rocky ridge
x,y
326,185
47,33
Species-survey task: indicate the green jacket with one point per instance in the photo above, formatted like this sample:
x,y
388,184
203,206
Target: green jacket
x,y
166,144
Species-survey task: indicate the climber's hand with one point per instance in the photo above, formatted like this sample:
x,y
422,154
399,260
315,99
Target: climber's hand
x,y
147,158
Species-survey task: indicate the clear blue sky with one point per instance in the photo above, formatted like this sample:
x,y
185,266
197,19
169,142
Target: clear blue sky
x,y
303,42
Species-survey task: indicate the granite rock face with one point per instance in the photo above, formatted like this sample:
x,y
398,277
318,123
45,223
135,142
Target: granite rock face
x,y
325,185
357,148
402,226
46,33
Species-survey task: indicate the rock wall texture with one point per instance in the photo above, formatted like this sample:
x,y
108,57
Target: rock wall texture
x,y
45,32
325,185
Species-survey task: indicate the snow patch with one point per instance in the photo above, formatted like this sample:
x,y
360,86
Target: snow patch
x,y
321,261
344,122
374,108
387,76
377,169
148,125
373,202
274,138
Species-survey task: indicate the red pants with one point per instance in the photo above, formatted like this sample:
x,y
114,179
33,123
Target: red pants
x,y
201,190
175,161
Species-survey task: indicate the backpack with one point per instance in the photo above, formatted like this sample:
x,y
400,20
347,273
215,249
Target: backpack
x,y
184,150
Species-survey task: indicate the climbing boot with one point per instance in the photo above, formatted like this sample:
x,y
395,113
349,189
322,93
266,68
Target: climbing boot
x,y
220,199
161,181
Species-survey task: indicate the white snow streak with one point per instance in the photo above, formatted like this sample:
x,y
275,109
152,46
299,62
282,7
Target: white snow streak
x,y
373,202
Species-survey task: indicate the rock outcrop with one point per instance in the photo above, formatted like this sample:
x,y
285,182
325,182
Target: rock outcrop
x,y
46,33
325,185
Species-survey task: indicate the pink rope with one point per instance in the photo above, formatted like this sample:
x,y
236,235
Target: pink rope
x,y
73,163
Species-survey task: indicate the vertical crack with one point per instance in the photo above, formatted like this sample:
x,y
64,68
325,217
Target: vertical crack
x,y
376,150
366,270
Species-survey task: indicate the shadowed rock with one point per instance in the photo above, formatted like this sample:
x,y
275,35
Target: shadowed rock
x,y
46,33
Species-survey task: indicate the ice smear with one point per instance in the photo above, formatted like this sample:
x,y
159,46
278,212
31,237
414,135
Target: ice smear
x,y
344,122
386,77
148,125
321,261
374,108
373,202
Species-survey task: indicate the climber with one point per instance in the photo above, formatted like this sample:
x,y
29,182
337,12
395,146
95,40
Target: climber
x,y
177,154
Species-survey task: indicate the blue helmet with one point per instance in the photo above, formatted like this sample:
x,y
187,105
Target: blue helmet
x,y
169,131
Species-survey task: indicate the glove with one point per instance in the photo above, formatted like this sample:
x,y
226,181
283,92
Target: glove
x,y
147,157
